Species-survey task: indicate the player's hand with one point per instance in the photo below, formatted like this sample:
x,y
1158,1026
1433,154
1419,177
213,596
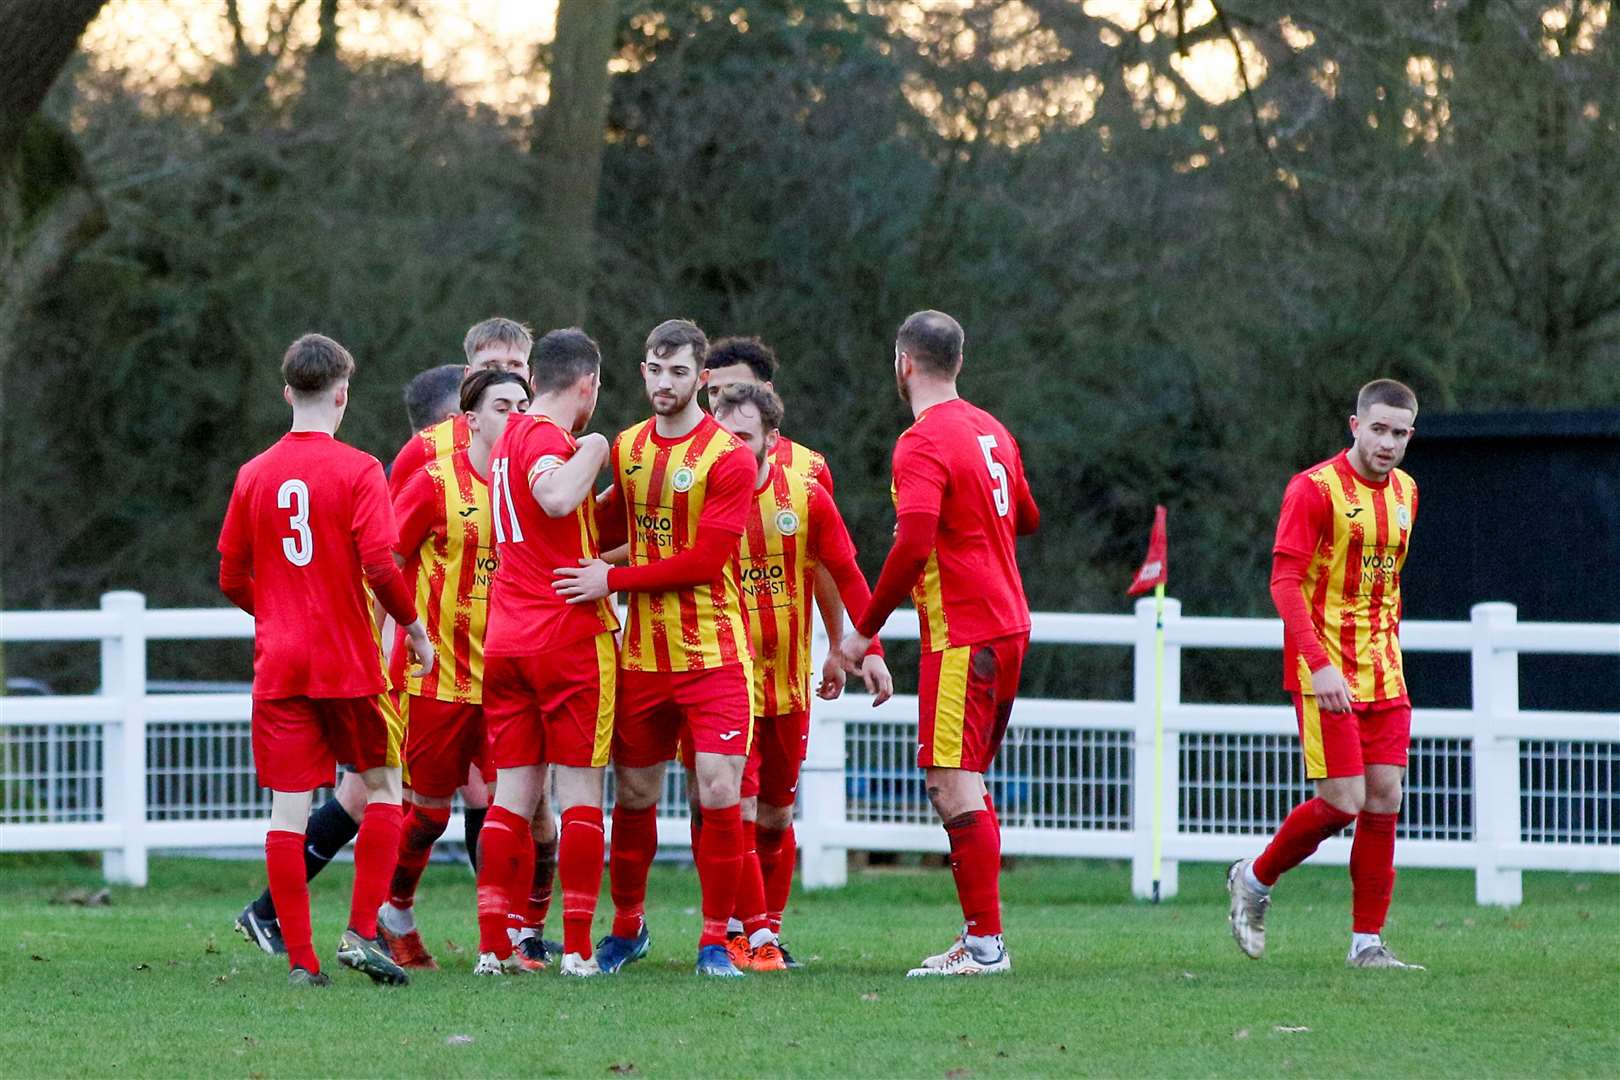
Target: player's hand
x,y
852,650
832,677
594,443
416,640
583,583
879,683
1332,692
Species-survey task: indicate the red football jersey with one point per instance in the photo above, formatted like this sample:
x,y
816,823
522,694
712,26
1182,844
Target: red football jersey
x,y
960,462
526,615
305,517
430,444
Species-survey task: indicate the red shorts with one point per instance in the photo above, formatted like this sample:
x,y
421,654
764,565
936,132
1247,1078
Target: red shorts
x,y
965,695
299,742
443,739
555,708
708,711
1344,743
780,743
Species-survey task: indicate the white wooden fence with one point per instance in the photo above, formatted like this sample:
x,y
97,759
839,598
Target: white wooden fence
x,y
1493,787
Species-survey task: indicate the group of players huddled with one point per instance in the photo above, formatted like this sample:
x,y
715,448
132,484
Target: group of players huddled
x,y
505,672
451,627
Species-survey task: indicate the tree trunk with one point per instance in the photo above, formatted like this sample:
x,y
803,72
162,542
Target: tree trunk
x,y
569,149
36,39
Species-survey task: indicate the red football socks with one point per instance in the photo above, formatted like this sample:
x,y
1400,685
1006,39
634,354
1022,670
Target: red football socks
x,y
545,870
776,848
635,842
976,865
505,870
1372,871
579,865
284,865
719,864
1302,832
750,905
376,849
422,826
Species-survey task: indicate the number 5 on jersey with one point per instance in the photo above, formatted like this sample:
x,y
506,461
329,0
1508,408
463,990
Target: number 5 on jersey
x,y
998,476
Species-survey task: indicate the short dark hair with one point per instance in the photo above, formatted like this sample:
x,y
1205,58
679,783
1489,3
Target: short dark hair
x,y
933,339
428,392
495,331
315,363
1396,395
481,382
561,358
762,398
672,335
731,351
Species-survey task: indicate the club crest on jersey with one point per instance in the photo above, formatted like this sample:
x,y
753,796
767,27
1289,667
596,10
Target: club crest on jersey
x,y
787,522
682,479
1403,517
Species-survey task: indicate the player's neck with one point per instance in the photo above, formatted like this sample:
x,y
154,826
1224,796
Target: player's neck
x,y
555,409
1360,468
681,424
926,394
479,454
315,418
762,474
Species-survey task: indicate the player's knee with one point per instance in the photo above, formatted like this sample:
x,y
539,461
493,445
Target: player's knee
x,y
774,817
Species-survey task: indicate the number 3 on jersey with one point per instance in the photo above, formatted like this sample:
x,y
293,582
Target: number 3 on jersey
x,y
998,476
299,547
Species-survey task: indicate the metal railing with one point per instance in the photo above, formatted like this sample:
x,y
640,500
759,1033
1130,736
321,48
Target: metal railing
x,y
1492,788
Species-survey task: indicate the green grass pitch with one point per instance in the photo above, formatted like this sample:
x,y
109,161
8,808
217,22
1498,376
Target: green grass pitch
x,y
154,984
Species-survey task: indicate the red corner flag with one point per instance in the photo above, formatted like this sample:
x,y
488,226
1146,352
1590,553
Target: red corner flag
x,y
1156,567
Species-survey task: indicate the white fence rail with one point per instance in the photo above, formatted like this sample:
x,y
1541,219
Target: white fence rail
x,y
1493,788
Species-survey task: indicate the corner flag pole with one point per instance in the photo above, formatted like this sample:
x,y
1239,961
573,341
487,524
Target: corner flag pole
x,y
1158,737
1155,572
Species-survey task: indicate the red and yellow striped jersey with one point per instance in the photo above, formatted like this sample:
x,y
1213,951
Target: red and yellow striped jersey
x,y
667,488
448,543
792,524
1354,532
430,444
796,457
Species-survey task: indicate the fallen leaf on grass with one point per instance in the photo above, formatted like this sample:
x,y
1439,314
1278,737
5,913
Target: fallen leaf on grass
x,y
1001,1053
1062,1049
1240,1033
872,996
1284,1029
957,1074
210,946
250,1040
1188,975
1469,922
458,1040
1583,886
451,946
623,1068
41,959
84,897
140,967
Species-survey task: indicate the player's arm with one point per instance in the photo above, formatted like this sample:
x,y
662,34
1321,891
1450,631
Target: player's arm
x,y
719,530
407,463
559,486
375,534
1026,515
1300,527
920,478
834,553
236,554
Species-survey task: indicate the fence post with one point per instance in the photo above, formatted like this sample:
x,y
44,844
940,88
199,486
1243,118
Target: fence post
x,y
1142,753
1495,680
822,798
123,759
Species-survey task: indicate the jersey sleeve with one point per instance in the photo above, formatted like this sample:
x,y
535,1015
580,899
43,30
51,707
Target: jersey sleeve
x,y
373,528
1304,517
407,463
920,476
822,474
729,492
236,534
419,512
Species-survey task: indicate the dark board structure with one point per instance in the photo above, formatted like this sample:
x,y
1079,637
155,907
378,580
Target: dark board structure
x,y
1522,507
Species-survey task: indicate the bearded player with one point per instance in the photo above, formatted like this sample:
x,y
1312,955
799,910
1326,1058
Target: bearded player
x,y
551,666
682,488
308,524
961,502
793,530
1336,580
447,546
